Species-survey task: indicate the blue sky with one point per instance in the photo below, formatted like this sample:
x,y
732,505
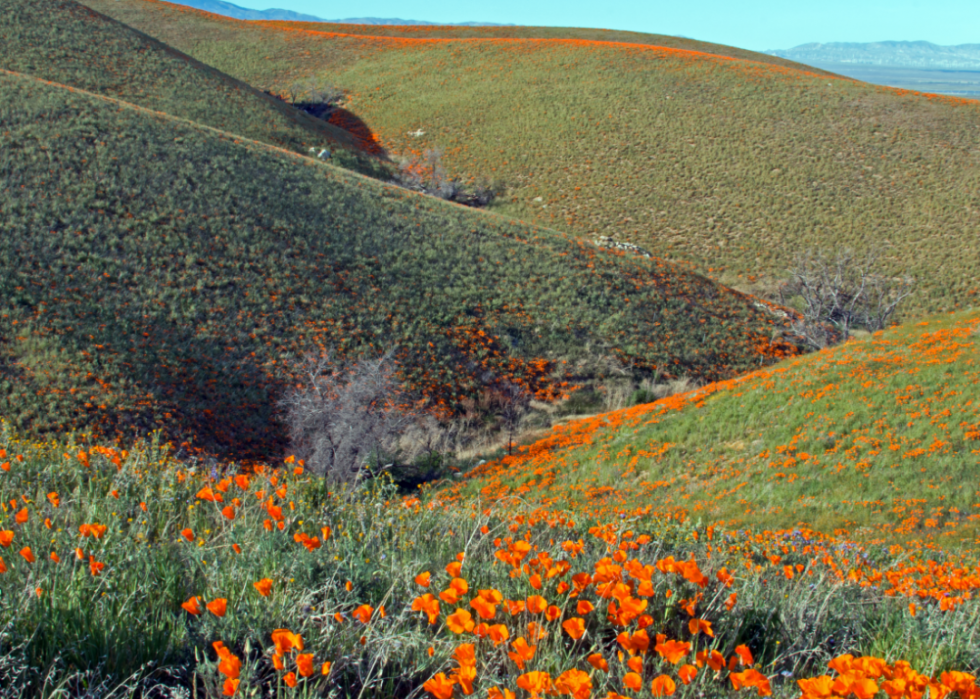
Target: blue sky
x,y
750,24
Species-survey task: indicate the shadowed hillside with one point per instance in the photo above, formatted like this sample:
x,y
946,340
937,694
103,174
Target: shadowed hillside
x,y
155,273
727,163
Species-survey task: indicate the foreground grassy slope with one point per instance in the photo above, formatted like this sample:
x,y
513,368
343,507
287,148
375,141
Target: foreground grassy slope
x,y
68,43
876,439
730,164
156,273
121,570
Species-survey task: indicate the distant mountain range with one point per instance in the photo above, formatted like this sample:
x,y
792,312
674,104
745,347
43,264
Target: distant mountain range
x,y
920,55
219,7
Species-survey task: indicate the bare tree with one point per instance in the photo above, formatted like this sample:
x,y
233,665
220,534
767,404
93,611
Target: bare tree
x,y
346,414
840,292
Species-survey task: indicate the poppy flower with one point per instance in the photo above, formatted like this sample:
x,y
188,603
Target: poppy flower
x,y
285,640
228,511
744,655
54,499
427,604
696,625
21,516
230,686
460,621
663,686
673,651
27,554
363,613
3,566
536,604
522,652
498,633
687,673
633,681
6,538
584,607
218,607
325,669
290,679
304,663
439,686
94,566
192,606
209,495
264,586
574,627
55,557
598,662
187,533
536,683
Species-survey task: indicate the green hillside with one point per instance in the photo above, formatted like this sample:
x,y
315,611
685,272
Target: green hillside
x,y
729,161
160,274
876,440
67,43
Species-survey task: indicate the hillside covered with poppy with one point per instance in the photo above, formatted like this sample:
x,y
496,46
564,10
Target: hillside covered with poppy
x,y
877,440
529,579
797,526
712,156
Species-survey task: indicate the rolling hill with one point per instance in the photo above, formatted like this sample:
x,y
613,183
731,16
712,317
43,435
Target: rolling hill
x,y
876,440
67,43
156,273
728,160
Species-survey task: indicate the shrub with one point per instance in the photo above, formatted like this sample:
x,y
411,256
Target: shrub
x,y
840,291
347,416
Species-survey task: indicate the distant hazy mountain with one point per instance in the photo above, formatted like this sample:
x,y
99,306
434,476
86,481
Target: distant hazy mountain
x,y
219,7
920,55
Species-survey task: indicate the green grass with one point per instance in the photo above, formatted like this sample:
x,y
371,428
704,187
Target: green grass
x,y
159,274
123,631
731,165
67,43
877,440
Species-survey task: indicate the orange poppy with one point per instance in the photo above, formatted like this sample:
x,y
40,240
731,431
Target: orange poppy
x,y
574,682
687,673
54,499
94,566
6,537
363,613
290,679
187,533
460,621
209,495
218,607
574,627
228,511
285,640
192,606
423,579
536,604
536,683
522,652
662,686
264,586
304,663
27,554
598,662
633,681
440,686
21,516
584,607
